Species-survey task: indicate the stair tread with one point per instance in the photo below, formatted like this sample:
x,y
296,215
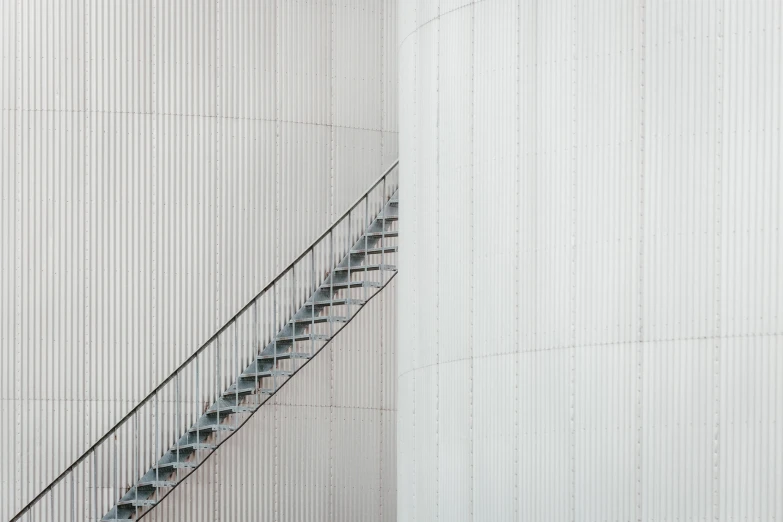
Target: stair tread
x,y
137,502
388,216
352,284
180,464
336,302
386,233
375,250
228,410
365,268
320,319
302,337
283,355
157,483
266,373
204,428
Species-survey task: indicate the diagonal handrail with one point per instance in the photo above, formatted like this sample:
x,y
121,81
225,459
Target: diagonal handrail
x,y
212,339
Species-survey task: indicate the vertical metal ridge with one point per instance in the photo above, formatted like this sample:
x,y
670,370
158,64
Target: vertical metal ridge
x,y
640,335
716,356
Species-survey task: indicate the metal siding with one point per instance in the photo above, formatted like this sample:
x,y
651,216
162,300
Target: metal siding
x,y
160,162
590,332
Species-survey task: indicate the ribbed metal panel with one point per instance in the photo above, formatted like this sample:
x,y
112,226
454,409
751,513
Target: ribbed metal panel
x,y
589,288
321,449
160,162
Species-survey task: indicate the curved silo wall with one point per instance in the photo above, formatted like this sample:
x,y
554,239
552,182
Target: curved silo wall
x,y
160,163
589,296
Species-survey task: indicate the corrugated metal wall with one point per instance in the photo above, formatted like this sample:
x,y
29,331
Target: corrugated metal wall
x,y
160,163
590,294
323,448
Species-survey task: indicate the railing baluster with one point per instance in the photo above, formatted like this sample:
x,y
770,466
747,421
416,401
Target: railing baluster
x,y
73,497
383,227
274,336
217,386
312,312
116,477
94,488
255,351
239,371
348,292
156,449
197,407
292,359
331,278
366,255
177,424
136,449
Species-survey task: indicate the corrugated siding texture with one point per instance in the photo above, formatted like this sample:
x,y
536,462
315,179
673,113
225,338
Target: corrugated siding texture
x,y
589,324
160,162
321,449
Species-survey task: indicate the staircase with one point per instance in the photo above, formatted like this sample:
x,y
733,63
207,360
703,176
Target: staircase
x,y
217,389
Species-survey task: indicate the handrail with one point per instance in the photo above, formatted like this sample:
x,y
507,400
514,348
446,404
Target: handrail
x,y
202,348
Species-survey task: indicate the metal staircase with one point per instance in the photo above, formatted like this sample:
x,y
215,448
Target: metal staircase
x,y
210,396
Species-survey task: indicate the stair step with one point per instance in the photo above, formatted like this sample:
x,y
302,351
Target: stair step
x,y
319,319
183,465
282,356
210,428
265,373
197,446
341,285
375,250
379,234
302,337
138,497
116,514
212,423
156,483
227,406
230,410
390,213
173,461
240,387
136,503
197,441
336,301
366,268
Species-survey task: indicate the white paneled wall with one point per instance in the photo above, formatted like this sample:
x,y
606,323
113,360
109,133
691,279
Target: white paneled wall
x,y
160,162
590,280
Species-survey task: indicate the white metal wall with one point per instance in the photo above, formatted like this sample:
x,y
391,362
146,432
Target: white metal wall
x,y
160,162
323,448
590,288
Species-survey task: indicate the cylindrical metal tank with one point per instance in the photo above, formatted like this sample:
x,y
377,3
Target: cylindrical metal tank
x,y
590,290
160,163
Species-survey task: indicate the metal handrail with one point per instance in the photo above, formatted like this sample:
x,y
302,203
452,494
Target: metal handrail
x,y
202,348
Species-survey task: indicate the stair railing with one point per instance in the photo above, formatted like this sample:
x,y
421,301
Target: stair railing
x,y
95,481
